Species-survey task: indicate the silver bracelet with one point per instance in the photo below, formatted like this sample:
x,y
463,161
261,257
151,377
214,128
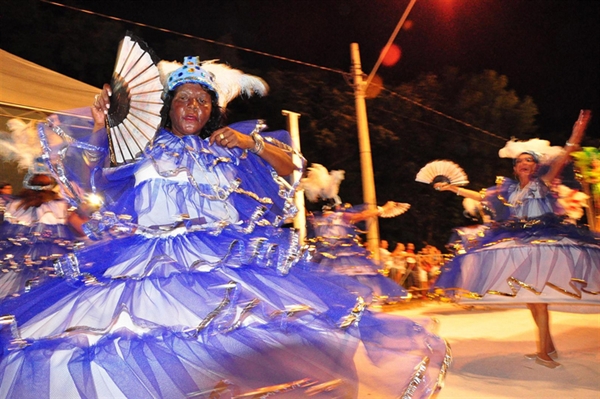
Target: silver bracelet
x,y
569,144
458,191
259,143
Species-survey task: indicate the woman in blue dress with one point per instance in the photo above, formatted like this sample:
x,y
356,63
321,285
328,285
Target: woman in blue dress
x,y
36,231
529,253
37,225
334,238
339,251
193,288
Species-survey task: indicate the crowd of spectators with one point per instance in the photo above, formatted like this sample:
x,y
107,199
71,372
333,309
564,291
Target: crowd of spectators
x,y
413,270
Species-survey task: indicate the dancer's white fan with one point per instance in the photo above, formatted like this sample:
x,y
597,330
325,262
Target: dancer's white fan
x,y
392,209
442,171
135,104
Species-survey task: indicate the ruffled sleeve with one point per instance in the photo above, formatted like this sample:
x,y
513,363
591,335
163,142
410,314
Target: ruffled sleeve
x,y
175,180
496,199
74,154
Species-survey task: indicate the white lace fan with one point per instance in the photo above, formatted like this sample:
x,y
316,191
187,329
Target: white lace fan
x,y
392,209
442,171
135,104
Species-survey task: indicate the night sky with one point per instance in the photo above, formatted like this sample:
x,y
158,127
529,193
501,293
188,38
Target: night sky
x,y
548,49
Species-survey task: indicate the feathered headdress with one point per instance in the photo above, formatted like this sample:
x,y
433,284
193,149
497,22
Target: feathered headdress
x,y
540,149
22,145
320,184
225,81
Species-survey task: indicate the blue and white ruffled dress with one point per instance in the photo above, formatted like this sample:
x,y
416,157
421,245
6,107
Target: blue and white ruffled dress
x,y
338,252
528,254
195,290
30,241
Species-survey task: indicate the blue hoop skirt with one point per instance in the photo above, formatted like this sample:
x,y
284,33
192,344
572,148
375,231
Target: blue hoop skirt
x,y
540,259
337,252
206,306
28,250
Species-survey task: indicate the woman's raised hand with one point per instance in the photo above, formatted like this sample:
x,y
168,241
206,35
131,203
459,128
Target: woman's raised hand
x,y
100,107
443,186
579,128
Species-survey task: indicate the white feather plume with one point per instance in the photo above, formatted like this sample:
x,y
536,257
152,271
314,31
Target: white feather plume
x,y
319,183
230,82
21,143
165,68
472,207
233,82
475,209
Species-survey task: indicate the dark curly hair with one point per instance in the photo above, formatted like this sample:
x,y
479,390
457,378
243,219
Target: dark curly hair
x,y
215,120
35,198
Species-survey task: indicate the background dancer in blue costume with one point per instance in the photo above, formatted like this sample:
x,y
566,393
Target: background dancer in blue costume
x,y
531,252
37,221
6,194
335,237
35,232
193,289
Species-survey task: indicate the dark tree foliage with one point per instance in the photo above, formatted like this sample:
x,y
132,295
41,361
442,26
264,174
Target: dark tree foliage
x,y
462,118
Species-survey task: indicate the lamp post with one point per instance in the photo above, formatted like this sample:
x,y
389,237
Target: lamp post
x,y
364,142
364,147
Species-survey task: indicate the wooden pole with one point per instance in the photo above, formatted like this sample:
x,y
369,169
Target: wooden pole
x,y
300,218
364,144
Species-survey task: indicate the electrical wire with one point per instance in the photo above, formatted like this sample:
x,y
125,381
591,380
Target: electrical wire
x,y
346,75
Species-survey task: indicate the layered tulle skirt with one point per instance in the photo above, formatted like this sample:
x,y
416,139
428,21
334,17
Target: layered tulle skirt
x,y
345,258
197,315
27,254
542,260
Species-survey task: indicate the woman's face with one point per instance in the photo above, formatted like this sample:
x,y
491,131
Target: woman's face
x,y
399,249
525,166
190,109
